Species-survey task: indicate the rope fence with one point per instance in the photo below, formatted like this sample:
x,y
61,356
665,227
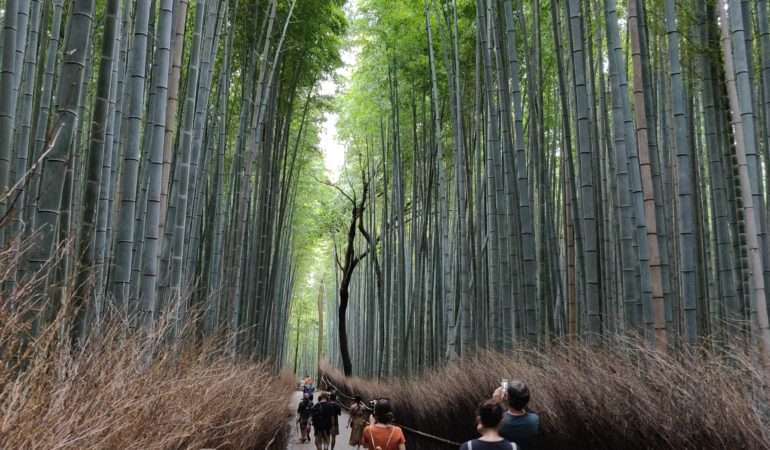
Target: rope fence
x,y
326,381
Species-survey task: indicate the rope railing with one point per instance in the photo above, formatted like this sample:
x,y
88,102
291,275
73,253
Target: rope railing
x,y
429,436
326,380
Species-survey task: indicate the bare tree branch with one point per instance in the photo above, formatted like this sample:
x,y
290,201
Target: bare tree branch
x,y
332,185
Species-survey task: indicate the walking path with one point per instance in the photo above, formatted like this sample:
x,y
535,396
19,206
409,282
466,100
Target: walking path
x,y
342,439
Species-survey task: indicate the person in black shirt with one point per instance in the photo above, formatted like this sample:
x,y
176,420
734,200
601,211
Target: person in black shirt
x,y
304,410
336,411
488,418
321,421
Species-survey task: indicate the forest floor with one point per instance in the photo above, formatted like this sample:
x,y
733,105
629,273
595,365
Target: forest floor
x,y
342,439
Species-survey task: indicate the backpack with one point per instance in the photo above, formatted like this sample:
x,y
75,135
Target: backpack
x,y
377,447
306,407
317,414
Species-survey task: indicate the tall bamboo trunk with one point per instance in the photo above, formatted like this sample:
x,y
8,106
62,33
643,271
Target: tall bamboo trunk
x,y
738,90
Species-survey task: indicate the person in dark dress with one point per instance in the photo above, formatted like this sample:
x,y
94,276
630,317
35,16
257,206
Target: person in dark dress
x,y
336,412
488,417
519,425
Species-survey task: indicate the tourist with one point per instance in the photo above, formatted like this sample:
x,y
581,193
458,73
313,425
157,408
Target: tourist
x,y
336,412
321,420
304,410
381,434
357,422
309,388
519,425
488,417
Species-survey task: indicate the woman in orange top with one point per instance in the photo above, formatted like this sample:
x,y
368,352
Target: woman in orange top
x,y
382,434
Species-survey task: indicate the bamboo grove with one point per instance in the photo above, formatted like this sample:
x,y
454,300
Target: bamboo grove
x,y
523,172
152,154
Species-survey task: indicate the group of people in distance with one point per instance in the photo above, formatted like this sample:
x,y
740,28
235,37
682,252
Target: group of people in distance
x,y
323,416
504,422
374,430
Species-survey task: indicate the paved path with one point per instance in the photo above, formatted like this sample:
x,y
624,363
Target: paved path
x,y
342,439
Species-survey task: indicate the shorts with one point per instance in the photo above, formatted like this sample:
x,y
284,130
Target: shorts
x,y
322,438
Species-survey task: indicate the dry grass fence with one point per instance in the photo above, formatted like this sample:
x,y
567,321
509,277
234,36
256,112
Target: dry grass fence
x,y
112,394
626,397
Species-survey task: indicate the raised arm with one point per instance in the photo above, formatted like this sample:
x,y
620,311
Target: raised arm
x,y
498,395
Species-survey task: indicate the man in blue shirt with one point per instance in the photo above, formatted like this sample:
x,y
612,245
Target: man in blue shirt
x,y
518,424
309,388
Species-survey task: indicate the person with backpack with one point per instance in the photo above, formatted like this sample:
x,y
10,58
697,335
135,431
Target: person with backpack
x,y
321,421
488,417
382,434
304,410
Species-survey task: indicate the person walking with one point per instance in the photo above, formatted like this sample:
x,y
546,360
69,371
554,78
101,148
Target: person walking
x,y
488,417
304,411
519,425
336,412
357,422
381,434
309,388
321,421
